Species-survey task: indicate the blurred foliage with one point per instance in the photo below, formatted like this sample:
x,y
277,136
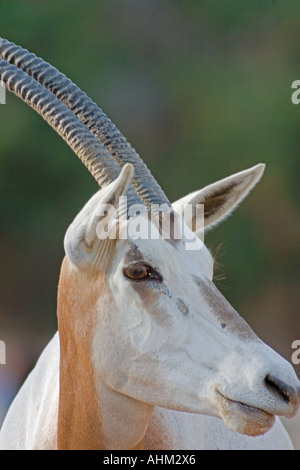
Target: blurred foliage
x,y
201,90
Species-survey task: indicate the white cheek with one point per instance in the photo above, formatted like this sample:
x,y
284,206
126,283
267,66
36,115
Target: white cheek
x,y
133,321
203,261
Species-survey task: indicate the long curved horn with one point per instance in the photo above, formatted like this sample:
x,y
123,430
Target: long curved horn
x,y
83,142
88,112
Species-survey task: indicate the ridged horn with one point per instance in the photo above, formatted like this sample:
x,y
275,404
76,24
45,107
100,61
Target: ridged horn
x,y
90,114
83,142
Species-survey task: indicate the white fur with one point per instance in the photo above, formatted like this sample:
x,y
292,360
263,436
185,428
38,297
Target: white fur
x,y
32,420
173,350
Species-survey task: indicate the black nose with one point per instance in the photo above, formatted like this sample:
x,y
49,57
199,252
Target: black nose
x,y
287,392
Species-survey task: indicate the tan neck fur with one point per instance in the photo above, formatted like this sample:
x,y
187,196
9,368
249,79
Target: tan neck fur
x,y
80,412
79,424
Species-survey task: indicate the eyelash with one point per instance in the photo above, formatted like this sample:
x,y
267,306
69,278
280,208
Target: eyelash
x,y
218,271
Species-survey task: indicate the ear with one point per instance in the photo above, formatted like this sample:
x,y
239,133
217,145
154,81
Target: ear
x,y
222,197
88,243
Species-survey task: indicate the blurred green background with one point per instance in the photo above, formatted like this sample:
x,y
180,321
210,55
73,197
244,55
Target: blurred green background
x,y
201,89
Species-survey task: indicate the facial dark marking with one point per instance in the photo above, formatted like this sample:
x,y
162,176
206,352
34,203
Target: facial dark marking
x,y
224,312
179,302
213,203
182,307
150,295
133,255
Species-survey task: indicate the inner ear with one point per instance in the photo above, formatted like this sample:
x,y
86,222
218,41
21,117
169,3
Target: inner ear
x,y
218,200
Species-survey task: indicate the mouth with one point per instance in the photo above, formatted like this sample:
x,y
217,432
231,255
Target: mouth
x,y
243,418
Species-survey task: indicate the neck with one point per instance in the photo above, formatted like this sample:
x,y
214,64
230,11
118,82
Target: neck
x,y
91,414
124,420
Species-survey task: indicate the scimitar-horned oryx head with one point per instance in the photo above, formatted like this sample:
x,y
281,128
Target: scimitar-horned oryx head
x,y
144,312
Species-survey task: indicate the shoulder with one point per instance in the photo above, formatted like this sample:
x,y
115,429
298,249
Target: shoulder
x,y
28,420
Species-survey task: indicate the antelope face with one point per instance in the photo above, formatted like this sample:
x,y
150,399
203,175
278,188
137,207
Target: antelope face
x,y
165,336
179,344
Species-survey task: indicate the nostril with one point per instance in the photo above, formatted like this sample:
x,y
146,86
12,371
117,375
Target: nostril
x,y
280,388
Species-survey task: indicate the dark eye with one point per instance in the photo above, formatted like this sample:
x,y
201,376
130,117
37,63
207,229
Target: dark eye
x,y
141,272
